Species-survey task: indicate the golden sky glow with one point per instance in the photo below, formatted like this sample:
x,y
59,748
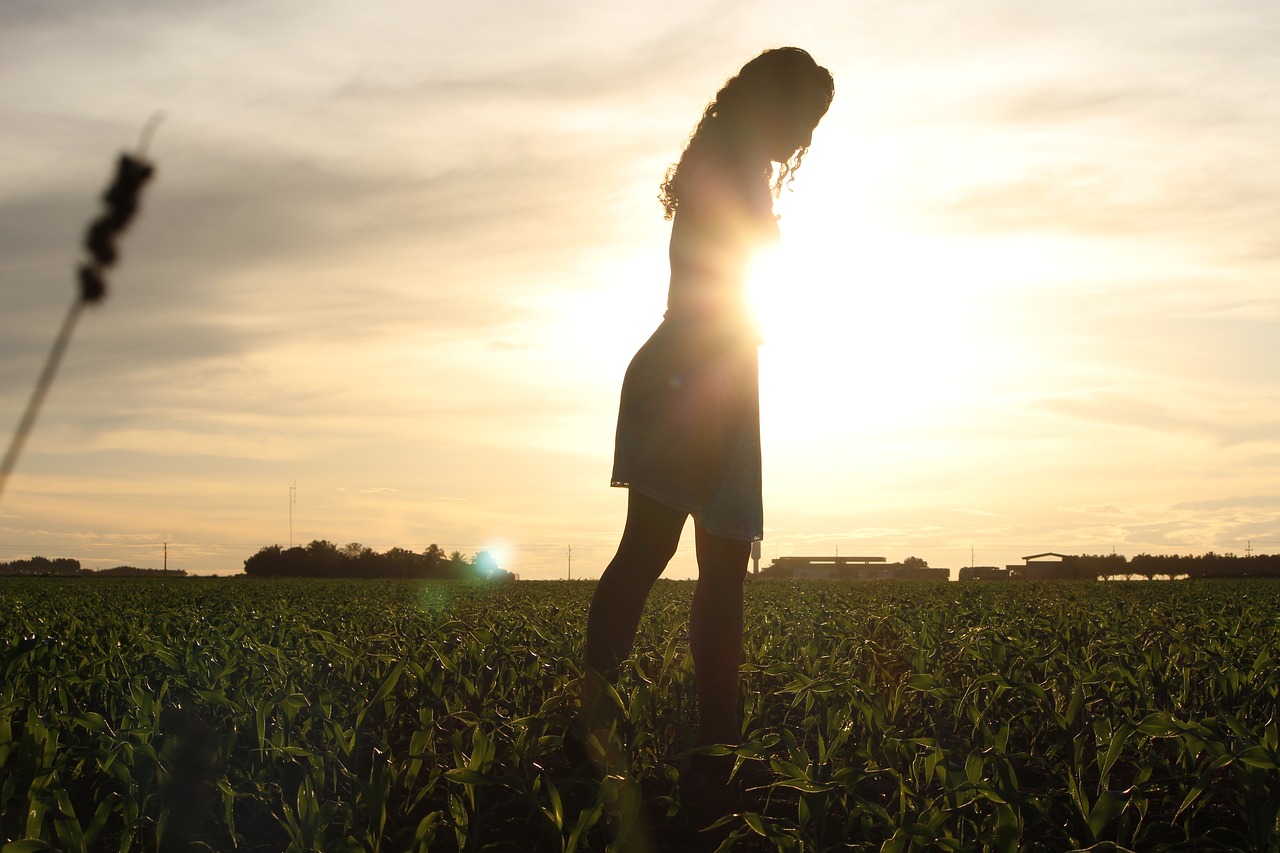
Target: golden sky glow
x,y
401,253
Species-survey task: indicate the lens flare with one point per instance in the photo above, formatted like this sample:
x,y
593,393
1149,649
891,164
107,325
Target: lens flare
x,y
494,558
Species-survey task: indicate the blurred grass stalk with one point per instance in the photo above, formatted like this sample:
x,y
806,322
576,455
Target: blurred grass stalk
x,y
121,199
41,390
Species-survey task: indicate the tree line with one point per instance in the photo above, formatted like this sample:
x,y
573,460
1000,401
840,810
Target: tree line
x,y
1208,565
66,567
323,559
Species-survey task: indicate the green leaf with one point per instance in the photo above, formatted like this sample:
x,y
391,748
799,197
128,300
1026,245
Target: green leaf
x,y
587,818
896,843
425,834
100,818
260,722
1008,829
28,845
1106,809
213,697
1118,740
802,785
166,657
1158,724
1259,757
467,776
389,683
923,681
308,814
973,767
91,721
1076,704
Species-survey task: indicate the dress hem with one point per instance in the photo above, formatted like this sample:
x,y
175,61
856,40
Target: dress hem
x,y
696,513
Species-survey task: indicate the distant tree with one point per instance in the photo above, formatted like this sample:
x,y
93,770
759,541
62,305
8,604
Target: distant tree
x,y
399,563
363,565
1151,565
294,563
264,563
434,560
41,566
458,566
135,572
354,551
1102,565
321,558
914,563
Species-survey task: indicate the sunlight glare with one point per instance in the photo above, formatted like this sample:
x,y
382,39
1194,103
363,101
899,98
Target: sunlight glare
x,y
871,334
500,555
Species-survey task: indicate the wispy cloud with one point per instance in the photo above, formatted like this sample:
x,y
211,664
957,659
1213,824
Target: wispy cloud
x,y
1229,428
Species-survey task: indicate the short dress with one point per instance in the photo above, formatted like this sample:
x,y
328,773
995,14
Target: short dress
x,y
689,415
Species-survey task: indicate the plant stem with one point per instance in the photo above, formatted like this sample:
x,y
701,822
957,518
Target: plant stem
x,y
41,390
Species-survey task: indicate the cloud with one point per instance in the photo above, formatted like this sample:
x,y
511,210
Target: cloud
x,y
1157,132
1219,206
1250,503
1107,510
1113,409
1189,527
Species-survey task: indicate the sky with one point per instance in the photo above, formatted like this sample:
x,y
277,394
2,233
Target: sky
x,y
397,256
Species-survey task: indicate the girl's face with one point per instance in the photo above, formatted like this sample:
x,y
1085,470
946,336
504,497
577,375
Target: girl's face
x,y
791,126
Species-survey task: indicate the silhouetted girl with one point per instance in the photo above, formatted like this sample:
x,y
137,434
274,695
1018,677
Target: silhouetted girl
x,y
688,440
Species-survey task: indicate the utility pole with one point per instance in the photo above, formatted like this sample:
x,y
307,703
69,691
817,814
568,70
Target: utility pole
x,y
570,562
293,499
166,556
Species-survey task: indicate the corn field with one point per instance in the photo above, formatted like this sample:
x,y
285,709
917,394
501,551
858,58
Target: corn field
x,y
233,714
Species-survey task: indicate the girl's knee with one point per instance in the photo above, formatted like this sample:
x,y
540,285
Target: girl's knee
x,y
651,533
646,554
721,555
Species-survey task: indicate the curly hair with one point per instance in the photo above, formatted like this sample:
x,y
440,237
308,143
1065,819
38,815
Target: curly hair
x,y
766,88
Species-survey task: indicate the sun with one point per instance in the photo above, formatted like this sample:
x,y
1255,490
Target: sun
x,y
860,330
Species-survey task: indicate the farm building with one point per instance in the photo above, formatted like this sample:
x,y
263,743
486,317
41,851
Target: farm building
x,y
1049,566
847,568
1037,567
984,573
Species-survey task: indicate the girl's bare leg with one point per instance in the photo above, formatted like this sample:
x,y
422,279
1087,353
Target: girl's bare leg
x,y
715,634
649,540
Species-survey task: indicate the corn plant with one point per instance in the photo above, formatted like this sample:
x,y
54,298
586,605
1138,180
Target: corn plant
x,y
259,715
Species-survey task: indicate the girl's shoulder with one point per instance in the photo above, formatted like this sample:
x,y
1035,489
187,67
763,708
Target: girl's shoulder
x,y
720,187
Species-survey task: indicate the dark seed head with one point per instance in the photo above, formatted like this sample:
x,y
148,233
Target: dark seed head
x,y
100,241
92,285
